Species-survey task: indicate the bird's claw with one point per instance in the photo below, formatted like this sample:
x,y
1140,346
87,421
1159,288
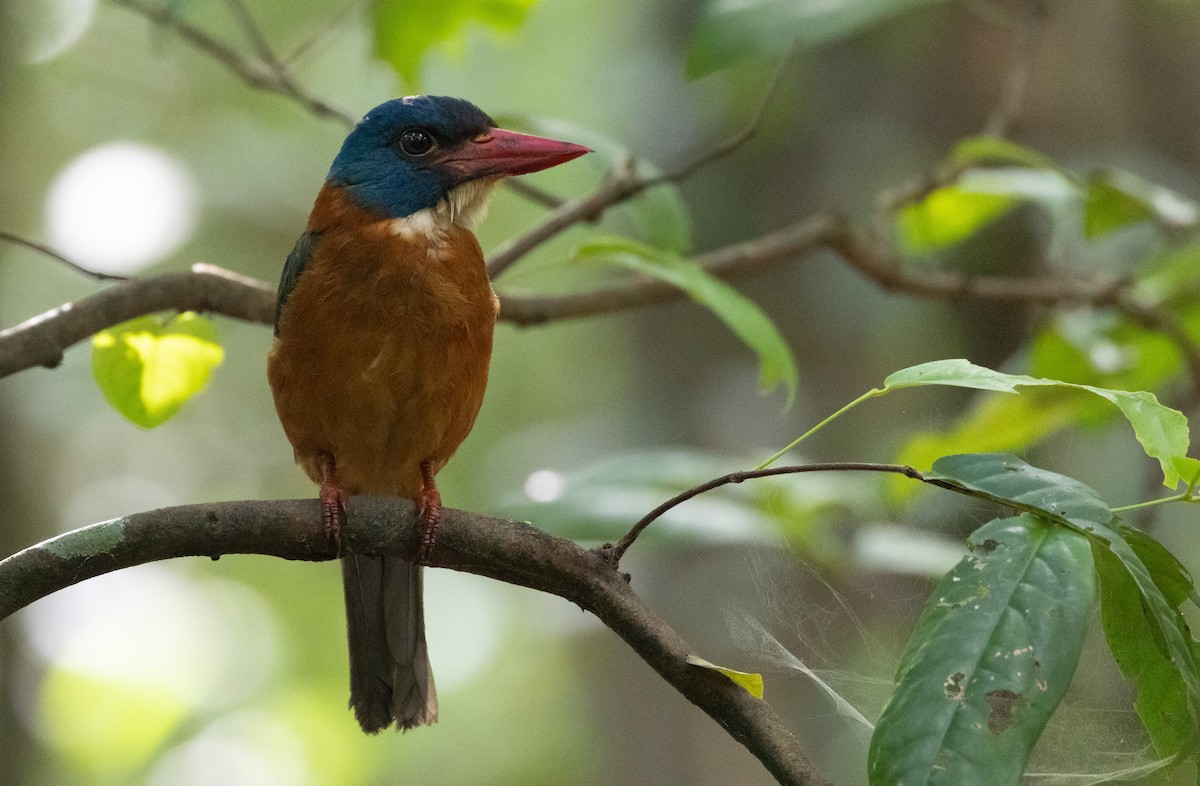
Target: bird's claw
x,y
429,515
333,514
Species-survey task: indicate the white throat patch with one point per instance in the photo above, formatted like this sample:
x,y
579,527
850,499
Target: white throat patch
x,y
465,206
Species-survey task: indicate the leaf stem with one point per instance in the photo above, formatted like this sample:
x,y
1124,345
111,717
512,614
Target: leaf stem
x,y
872,393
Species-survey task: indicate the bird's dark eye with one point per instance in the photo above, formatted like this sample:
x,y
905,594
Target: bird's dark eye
x,y
416,141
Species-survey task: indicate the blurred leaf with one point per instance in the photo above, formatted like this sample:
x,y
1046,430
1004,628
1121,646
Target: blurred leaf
x,y
751,683
108,727
660,213
994,150
989,660
733,31
148,369
1162,431
1108,208
599,502
1116,199
947,216
405,30
739,313
1173,275
1105,350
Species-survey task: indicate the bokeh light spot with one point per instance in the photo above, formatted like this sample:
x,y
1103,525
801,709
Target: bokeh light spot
x,y
44,29
545,485
120,207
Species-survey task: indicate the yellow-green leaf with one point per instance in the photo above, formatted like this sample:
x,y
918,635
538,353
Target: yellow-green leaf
x,y
750,682
148,368
948,216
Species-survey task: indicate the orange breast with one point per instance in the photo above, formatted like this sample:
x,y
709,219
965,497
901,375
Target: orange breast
x,y
382,354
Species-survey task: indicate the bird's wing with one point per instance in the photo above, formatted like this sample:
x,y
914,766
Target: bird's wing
x,y
292,268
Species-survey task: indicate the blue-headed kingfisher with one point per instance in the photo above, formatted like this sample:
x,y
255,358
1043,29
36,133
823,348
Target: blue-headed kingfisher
x,y
383,335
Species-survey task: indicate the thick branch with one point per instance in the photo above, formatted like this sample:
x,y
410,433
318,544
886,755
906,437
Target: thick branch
x,y
500,549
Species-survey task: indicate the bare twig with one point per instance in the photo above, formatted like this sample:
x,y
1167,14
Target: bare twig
x,y
57,257
744,135
41,341
257,75
1031,25
254,35
500,549
623,183
618,551
322,33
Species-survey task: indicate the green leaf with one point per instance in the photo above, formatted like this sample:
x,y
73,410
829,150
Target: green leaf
x,y
739,313
405,30
990,659
1116,199
147,369
947,216
731,32
997,151
748,681
1108,208
1161,694
1010,481
1168,684
1162,431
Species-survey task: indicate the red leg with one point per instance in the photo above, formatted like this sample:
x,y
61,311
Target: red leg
x,y
429,512
333,503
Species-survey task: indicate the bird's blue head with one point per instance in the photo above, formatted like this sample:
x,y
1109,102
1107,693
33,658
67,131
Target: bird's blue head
x,y
408,154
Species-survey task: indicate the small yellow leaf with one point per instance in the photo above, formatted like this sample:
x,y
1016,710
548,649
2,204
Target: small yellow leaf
x,y
147,369
750,682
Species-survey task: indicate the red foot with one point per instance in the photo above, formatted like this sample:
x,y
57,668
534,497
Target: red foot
x,y
333,504
429,513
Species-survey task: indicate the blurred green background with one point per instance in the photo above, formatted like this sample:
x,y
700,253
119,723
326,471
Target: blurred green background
x,y
234,672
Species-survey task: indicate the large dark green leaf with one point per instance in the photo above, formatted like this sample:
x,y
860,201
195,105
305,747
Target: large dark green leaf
x,y
1140,617
989,660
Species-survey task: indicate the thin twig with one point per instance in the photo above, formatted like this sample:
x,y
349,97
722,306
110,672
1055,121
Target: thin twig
x,y
57,257
623,183
618,551
322,33
744,135
1032,23
254,35
256,75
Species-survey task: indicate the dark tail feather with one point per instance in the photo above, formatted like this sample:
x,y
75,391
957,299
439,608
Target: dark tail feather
x,y
390,678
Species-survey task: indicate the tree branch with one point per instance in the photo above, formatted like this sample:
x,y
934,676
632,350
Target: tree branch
x,y
41,341
500,549
272,78
45,250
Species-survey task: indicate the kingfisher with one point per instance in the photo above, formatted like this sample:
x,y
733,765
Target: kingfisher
x,y
383,336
